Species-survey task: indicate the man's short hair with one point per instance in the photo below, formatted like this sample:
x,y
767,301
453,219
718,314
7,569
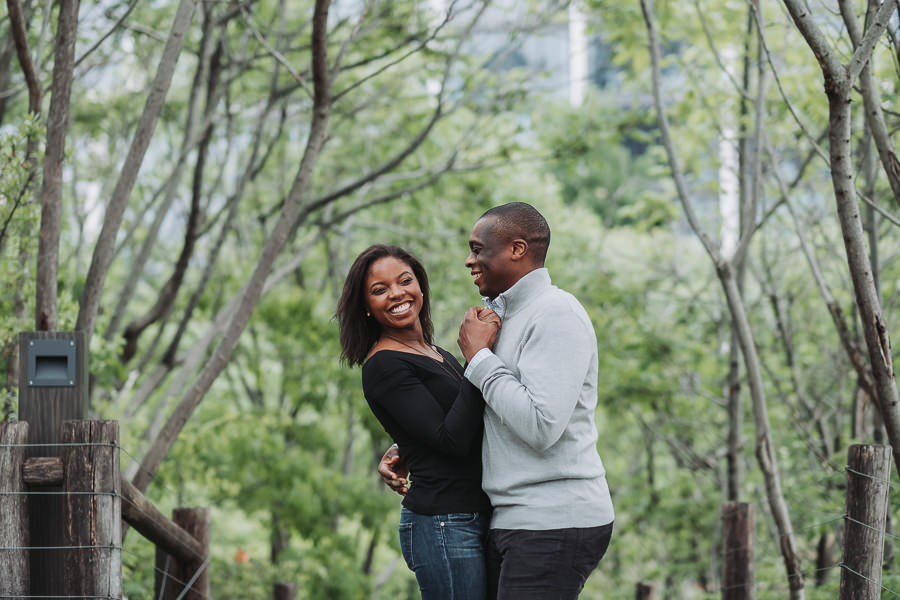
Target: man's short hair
x,y
521,220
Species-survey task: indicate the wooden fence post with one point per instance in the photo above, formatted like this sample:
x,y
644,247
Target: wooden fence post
x,y
284,590
93,509
868,491
53,388
14,559
173,575
645,591
738,560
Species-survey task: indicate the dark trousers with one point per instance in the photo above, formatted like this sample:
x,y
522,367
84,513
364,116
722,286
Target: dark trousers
x,y
543,565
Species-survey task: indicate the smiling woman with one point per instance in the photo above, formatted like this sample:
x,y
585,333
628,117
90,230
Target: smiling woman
x,y
419,395
393,296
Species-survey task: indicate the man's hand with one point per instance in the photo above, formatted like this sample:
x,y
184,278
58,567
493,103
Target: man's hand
x,y
478,330
393,472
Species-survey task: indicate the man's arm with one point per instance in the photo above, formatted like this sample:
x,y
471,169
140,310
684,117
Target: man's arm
x,y
552,366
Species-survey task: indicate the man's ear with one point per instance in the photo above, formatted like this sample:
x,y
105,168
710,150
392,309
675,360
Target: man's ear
x,y
519,249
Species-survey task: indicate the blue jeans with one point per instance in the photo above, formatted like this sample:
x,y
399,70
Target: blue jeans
x,y
446,552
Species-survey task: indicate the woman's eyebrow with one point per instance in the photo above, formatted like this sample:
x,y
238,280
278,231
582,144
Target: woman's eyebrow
x,y
374,283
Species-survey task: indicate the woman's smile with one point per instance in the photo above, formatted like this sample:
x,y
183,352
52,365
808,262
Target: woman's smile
x,y
393,294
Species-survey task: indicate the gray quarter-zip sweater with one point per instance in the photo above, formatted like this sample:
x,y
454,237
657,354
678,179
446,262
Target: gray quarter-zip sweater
x,y
541,467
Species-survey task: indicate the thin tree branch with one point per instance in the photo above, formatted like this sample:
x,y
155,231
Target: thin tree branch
x,y
20,39
273,247
16,203
666,136
116,26
278,56
874,30
102,257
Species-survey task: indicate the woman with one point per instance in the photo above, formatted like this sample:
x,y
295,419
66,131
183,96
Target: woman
x,y
418,393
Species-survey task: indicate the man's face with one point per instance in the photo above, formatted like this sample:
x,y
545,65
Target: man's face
x,y
489,259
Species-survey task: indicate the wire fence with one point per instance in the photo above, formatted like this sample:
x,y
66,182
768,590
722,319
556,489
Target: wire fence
x,y
168,578
782,589
186,586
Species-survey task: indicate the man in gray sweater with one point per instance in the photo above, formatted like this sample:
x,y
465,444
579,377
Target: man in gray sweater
x,y
553,515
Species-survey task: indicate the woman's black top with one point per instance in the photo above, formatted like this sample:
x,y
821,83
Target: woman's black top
x,y
435,417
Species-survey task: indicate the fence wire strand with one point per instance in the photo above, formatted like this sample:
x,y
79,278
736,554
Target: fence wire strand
x,y
869,579
188,586
19,596
185,586
744,548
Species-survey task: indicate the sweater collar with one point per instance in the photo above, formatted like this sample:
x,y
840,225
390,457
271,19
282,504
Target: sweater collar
x,y
520,293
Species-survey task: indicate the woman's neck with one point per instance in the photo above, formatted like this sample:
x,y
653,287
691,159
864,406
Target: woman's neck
x,y
408,335
413,338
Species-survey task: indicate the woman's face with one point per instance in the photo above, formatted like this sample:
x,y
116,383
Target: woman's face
x,y
392,293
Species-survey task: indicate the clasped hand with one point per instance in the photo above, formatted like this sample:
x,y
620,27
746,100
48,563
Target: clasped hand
x,y
479,329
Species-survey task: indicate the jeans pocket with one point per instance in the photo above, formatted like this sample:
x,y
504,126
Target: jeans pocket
x,y
461,518
406,544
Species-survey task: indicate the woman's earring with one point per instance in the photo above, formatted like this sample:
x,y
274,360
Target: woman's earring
x,y
368,314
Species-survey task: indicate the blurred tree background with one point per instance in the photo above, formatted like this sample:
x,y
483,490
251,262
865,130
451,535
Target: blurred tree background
x,y
211,197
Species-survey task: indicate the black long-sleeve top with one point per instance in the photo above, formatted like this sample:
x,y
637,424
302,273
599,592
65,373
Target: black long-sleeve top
x,y
435,418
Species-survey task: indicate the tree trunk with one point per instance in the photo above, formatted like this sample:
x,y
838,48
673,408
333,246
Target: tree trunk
x,y
51,188
169,291
872,102
103,251
871,314
18,38
765,452
276,241
735,423
839,81
7,50
170,188
824,558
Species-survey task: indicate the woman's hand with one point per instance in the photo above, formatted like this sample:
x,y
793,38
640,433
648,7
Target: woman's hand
x,y
393,471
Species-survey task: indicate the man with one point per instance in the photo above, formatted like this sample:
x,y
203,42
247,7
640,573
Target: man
x,y
553,515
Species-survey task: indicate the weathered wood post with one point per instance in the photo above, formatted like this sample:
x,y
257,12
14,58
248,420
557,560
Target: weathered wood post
x,y
14,571
738,560
172,574
868,490
53,387
645,591
284,590
93,509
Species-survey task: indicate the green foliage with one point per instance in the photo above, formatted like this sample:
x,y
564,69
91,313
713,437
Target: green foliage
x,y
284,447
19,222
600,158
